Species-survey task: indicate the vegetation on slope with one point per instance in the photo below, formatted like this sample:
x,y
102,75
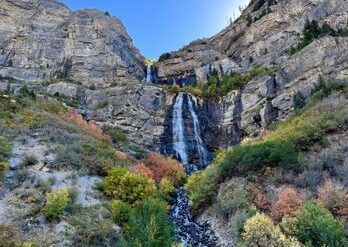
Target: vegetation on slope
x,y
139,200
136,201
281,147
313,31
280,151
220,85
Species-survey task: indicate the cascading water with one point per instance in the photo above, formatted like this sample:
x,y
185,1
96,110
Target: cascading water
x,y
188,231
179,142
202,151
148,74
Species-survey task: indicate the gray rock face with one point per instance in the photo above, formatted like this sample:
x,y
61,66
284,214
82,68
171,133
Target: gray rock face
x,y
42,40
262,36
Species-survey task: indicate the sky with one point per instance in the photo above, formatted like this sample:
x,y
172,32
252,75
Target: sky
x,y
159,26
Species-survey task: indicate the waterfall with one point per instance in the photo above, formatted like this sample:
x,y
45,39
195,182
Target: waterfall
x,y
148,74
203,155
179,142
187,230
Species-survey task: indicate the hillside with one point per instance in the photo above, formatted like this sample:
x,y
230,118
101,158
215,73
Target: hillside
x,y
239,139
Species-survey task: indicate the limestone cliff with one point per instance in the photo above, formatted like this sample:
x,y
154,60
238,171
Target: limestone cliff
x,y
263,36
88,56
42,40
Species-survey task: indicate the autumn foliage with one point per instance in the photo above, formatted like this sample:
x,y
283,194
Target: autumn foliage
x,y
334,198
289,203
262,202
142,169
90,127
162,167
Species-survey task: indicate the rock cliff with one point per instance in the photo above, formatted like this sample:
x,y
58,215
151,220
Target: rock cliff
x,y
44,40
88,56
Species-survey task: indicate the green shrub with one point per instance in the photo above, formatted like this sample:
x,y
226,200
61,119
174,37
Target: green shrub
x,y
174,89
117,135
280,148
313,31
317,227
299,101
218,86
121,212
56,202
254,157
149,226
166,187
3,169
201,187
128,187
164,57
240,218
259,231
5,149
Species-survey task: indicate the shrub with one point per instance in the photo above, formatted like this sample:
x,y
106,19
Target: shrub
x,y
201,187
3,169
254,157
117,135
334,198
228,203
313,31
259,231
149,226
317,227
29,160
288,204
174,89
73,193
166,187
5,148
128,187
240,218
165,167
121,212
164,57
262,202
142,169
299,101
56,202
218,86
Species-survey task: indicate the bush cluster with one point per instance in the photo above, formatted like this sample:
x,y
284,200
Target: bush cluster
x,y
56,202
137,207
313,31
317,227
220,85
128,187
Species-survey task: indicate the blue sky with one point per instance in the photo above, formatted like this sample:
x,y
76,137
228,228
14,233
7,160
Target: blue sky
x,y
159,26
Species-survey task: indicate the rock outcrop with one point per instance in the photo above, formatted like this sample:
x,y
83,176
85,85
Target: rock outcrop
x,y
88,55
262,36
42,40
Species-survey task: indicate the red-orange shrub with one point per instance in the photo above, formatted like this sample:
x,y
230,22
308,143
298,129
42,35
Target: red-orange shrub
x,y
142,169
262,202
165,167
334,198
289,203
90,127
